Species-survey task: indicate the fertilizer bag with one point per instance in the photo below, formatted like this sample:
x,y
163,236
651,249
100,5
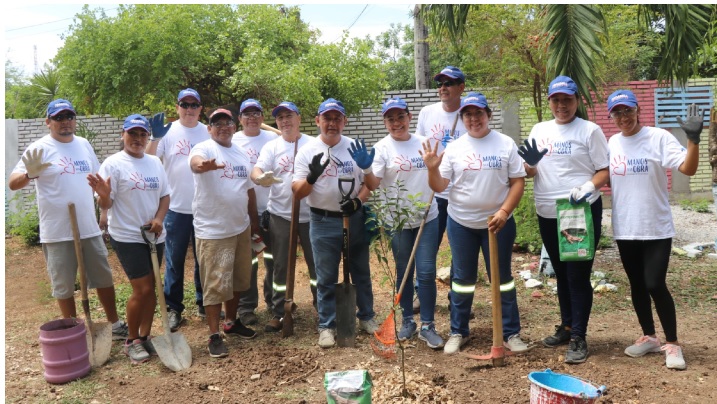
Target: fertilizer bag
x,y
576,238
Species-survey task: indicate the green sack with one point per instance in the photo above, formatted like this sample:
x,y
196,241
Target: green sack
x,y
352,386
576,238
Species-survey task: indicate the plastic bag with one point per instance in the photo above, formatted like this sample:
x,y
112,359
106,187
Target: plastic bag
x,y
576,238
350,386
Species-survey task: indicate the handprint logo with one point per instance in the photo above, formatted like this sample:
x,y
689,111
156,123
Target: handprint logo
x,y
183,148
619,165
546,144
404,164
474,163
287,164
437,132
252,154
228,170
138,181
332,170
68,167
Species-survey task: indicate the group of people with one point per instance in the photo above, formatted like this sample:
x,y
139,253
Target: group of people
x,y
470,177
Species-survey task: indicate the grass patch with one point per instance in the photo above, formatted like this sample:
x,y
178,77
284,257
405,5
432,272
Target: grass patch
x,y
700,205
82,391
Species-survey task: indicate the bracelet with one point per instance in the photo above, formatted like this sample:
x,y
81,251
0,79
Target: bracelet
x,y
367,171
31,178
506,212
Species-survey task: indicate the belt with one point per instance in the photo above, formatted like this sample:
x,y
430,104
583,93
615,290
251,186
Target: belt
x,y
328,213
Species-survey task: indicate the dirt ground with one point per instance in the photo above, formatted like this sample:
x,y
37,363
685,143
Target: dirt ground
x,y
270,369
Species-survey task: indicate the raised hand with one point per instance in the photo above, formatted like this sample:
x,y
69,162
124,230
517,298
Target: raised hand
x,y
33,163
316,168
101,186
267,179
209,165
693,124
430,156
360,154
159,129
530,153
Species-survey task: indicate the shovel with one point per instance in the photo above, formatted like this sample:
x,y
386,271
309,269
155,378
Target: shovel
x,y
99,336
172,348
287,324
345,291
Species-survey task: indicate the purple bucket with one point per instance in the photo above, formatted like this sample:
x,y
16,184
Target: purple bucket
x,y
64,350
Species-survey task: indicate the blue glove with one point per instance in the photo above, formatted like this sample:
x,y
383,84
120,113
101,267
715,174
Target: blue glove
x,y
581,193
159,129
446,139
360,154
530,153
693,124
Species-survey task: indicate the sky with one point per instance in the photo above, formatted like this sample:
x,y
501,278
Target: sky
x,y
30,27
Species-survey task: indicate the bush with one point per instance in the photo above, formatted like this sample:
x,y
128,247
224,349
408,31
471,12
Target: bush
x,y
526,220
700,206
25,223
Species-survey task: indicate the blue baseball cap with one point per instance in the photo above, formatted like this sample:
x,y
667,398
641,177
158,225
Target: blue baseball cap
x,y
331,104
250,102
621,97
59,105
188,92
562,85
393,103
451,72
287,105
473,99
136,121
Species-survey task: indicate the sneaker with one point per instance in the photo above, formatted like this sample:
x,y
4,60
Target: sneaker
x,y
454,344
248,318
149,346
369,326
408,330
175,320
202,312
673,357
561,336
643,346
577,351
240,330
216,347
326,338
136,352
416,304
428,333
274,325
515,344
120,333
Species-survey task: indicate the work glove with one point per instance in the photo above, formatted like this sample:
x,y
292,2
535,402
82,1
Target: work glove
x,y
530,153
349,206
33,163
316,168
159,129
581,193
446,139
360,154
693,124
267,179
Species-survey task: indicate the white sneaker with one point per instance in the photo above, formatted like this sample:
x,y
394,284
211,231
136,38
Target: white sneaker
x,y
673,357
369,326
515,344
326,338
643,346
454,343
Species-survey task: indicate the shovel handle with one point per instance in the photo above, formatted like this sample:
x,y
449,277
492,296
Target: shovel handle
x,y
415,248
495,288
80,263
152,243
346,195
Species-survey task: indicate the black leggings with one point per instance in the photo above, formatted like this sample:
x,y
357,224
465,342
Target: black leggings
x,y
646,262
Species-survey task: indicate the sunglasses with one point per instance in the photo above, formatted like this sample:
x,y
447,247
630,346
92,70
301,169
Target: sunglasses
x,y
448,83
222,124
193,105
62,118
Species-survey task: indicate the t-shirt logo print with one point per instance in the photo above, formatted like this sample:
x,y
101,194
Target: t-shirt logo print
x,y
287,164
68,167
404,164
474,163
138,181
619,165
437,132
546,144
183,147
252,154
228,170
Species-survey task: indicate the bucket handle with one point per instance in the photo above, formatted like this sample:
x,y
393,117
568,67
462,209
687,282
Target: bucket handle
x,y
602,390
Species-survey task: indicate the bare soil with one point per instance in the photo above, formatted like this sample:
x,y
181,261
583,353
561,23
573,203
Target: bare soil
x,y
271,369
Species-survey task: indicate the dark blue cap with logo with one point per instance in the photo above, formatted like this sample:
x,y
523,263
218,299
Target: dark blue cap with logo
x,y
621,97
562,85
136,121
285,105
393,103
331,105
59,105
474,99
189,92
248,103
451,72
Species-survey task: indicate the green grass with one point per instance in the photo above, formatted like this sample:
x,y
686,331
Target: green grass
x,y
699,205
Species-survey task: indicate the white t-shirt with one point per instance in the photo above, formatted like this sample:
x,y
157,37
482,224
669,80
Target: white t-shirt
x,y
63,182
174,150
221,203
278,156
638,164
480,170
137,186
400,160
575,152
325,193
252,146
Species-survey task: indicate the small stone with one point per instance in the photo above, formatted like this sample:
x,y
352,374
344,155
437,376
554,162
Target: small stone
x,y
255,376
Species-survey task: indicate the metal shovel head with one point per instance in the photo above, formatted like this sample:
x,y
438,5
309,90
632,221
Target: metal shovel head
x,y
345,315
173,351
99,343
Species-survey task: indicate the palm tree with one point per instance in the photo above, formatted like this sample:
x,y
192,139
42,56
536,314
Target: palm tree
x,y
45,88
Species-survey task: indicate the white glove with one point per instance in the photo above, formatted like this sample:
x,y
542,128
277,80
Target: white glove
x,y
267,179
581,193
33,163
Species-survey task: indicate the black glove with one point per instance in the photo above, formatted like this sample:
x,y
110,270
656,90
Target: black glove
x,y
350,206
316,168
693,124
530,153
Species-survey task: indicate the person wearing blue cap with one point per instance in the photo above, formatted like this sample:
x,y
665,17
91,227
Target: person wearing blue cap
x,y
318,167
641,216
59,163
488,179
568,158
252,139
172,144
133,187
398,159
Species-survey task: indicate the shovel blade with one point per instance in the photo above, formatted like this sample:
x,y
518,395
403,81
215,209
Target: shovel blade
x,y
173,350
345,315
287,323
99,343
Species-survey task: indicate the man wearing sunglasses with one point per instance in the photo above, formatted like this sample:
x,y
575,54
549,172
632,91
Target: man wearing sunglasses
x,y
173,148
60,164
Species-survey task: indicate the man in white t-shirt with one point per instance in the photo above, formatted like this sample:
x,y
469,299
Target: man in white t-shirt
x,y
252,139
173,148
60,163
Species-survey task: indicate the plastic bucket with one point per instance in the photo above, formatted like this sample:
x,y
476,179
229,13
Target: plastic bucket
x,y
554,388
64,350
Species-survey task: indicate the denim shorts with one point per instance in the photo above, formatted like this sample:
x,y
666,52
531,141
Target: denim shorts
x,y
135,258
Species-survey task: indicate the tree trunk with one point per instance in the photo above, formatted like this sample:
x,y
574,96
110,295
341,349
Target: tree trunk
x,y
422,66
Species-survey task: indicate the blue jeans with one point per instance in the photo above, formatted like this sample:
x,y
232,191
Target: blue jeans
x,y
326,237
180,231
465,245
424,265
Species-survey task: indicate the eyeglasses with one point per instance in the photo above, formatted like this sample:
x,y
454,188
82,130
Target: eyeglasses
x,y
251,114
628,113
64,117
192,105
398,118
478,114
448,83
223,124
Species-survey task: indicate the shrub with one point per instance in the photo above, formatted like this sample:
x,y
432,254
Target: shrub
x,y
526,220
25,223
700,206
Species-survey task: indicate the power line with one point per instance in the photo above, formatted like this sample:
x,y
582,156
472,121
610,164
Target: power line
x,y
53,22
355,20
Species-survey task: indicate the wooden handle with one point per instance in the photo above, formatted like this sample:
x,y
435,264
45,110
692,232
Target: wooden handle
x,y
80,263
495,288
270,128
